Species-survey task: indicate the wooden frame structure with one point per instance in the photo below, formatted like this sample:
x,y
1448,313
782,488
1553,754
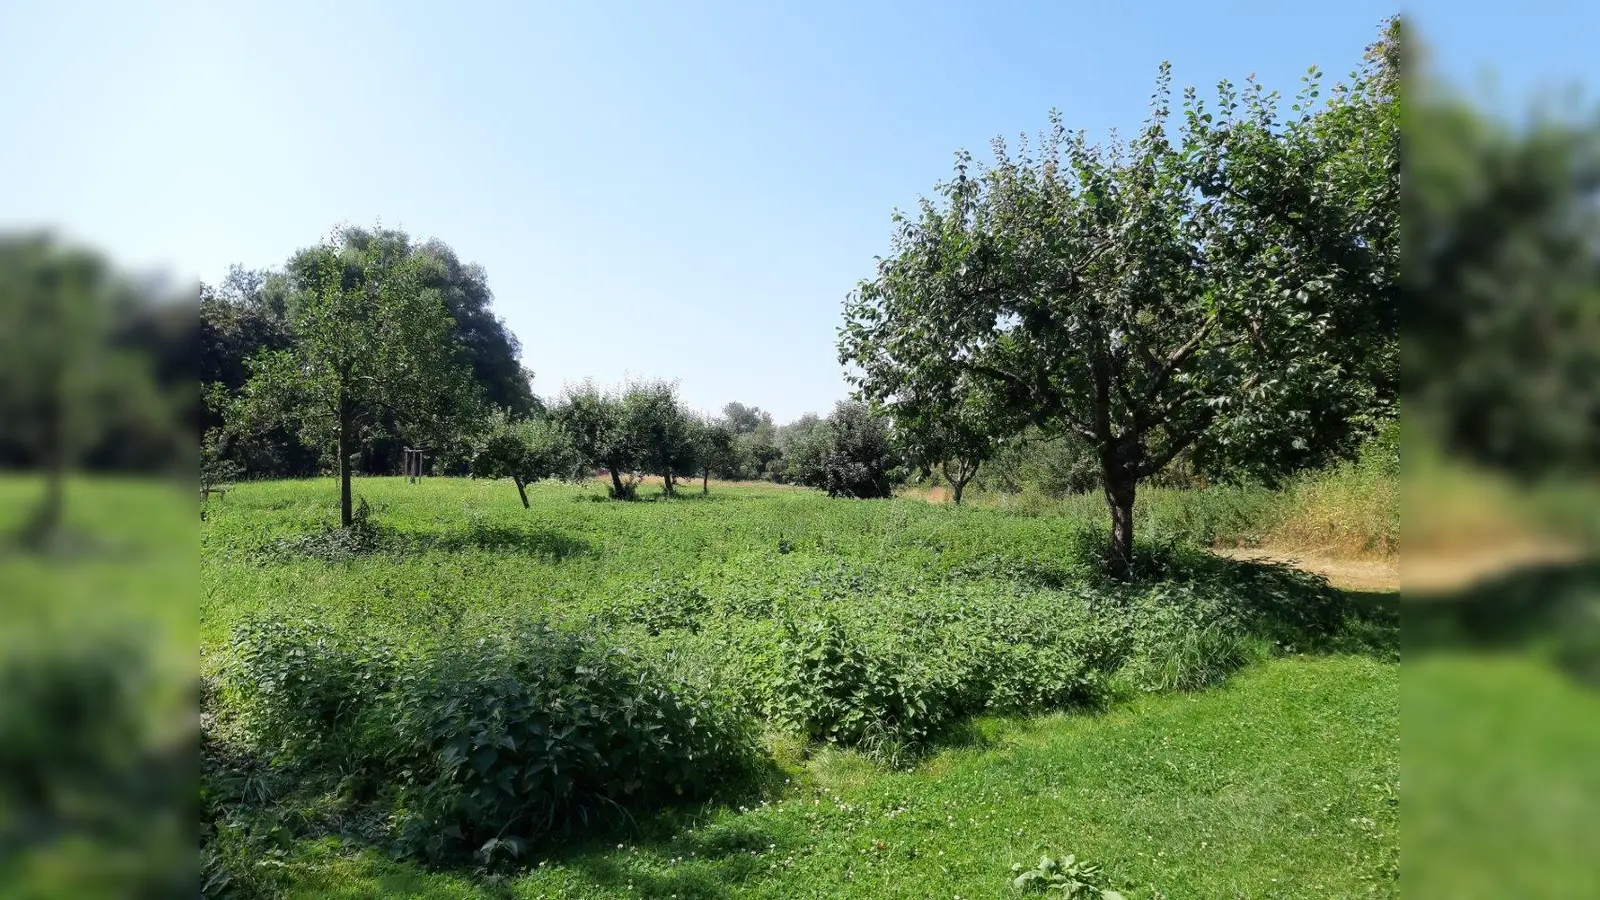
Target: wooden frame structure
x,y
413,463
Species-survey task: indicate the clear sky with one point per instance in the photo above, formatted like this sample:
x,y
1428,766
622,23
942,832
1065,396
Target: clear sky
x,y
657,189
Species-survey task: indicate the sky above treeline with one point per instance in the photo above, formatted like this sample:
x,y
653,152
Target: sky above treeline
x,y
674,190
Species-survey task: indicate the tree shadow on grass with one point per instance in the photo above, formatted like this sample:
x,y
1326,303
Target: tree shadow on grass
x,y
1290,607
528,541
736,851
686,833
1552,609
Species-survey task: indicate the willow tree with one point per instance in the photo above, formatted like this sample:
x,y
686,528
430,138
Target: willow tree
x,y
372,348
1198,280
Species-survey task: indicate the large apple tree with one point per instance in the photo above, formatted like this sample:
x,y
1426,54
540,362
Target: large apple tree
x,y
1225,279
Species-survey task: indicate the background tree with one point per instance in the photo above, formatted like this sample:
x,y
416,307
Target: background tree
x,y
603,435
851,454
665,431
716,448
742,419
66,380
1195,281
1502,281
525,451
757,454
243,316
955,432
1054,466
373,347
800,446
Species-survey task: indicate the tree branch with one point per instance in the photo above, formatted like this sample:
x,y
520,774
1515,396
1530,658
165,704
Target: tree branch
x,y
1176,358
1073,422
1176,443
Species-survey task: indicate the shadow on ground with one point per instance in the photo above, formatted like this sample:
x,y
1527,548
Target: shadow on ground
x,y
1552,609
529,540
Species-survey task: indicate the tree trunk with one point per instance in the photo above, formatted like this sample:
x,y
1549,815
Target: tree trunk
x,y
46,518
666,482
346,512
517,479
1120,485
616,482
963,476
705,482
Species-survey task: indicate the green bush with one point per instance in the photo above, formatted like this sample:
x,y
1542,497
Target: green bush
x,y
508,736
479,742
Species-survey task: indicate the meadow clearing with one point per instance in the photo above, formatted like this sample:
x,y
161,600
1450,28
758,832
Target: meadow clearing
x,y
763,692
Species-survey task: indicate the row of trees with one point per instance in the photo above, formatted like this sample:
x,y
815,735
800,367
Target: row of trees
x,y
369,343
643,428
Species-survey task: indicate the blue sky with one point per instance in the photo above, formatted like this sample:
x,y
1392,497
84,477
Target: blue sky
x,y
676,190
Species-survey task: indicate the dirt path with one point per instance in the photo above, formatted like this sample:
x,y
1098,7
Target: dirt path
x,y
1440,570
1349,574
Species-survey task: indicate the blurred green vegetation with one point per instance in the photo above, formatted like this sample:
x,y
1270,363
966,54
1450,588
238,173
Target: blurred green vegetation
x,y
97,693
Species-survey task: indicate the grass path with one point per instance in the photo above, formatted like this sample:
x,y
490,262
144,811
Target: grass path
x,y
1284,783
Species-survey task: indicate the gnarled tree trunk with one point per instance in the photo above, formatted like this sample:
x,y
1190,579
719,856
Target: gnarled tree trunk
x,y
1121,483
964,473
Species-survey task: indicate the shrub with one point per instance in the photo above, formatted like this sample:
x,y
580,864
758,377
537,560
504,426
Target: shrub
x,y
508,736
488,740
303,689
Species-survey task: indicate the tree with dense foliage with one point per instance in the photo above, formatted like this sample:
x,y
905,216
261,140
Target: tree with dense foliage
x,y
756,453
1502,281
716,449
243,316
1196,281
248,312
651,410
374,353
742,419
595,421
850,454
525,451
66,382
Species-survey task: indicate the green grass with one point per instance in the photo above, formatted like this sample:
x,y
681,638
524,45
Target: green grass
x,y
1502,785
1284,783
97,669
883,626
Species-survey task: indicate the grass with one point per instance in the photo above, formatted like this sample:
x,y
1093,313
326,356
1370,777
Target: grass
x,y
922,616
463,549
1348,512
1502,790
97,667
1282,784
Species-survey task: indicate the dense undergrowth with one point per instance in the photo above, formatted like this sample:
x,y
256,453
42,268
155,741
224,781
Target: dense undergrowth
x,y
461,678
1350,511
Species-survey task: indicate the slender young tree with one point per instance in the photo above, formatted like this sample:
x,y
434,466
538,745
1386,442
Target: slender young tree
x,y
716,449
